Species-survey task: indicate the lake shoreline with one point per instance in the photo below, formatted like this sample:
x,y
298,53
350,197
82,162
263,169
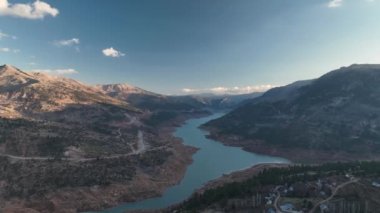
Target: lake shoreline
x,y
212,156
296,155
236,176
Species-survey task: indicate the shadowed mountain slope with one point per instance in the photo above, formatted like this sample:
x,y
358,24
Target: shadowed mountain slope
x,y
339,111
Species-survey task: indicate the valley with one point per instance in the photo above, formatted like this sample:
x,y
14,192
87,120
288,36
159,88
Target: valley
x,y
117,148
189,106
211,161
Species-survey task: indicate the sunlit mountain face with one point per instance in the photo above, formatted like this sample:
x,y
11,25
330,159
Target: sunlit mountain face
x,y
189,106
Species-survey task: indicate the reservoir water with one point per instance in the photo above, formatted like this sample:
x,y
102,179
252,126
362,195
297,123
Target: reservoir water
x,y
211,161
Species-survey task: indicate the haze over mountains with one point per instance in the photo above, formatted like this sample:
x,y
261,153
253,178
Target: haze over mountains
x,y
147,100
338,112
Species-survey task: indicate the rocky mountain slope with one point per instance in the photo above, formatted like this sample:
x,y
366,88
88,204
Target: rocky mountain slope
x,y
228,101
24,93
123,90
338,112
152,101
68,146
36,109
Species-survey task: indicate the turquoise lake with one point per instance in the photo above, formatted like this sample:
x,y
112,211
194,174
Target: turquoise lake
x,y
211,161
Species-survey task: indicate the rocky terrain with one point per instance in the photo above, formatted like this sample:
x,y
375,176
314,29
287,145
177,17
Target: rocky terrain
x,y
50,116
334,117
31,94
146,100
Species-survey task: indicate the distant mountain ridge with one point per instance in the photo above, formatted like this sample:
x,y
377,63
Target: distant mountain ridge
x,y
122,89
283,92
144,99
151,101
339,111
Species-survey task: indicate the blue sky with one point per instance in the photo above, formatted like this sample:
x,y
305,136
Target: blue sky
x,y
199,45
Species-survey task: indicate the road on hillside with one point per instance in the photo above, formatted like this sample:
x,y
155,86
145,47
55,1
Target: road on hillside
x,y
333,194
141,148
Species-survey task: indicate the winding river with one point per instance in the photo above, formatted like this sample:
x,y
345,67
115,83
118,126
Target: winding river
x,y
212,160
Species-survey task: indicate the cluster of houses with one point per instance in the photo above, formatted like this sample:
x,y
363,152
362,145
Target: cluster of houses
x,y
376,183
322,189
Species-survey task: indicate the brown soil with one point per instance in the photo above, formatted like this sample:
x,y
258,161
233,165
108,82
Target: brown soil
x,y
143,185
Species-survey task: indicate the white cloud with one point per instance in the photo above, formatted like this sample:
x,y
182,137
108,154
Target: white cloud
x,y
9,50
35,10
188,90
69,42
339,3
335,3
111,52
4,49
4,35
230,90
57,71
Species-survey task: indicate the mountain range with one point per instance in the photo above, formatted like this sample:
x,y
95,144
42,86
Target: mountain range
x,y
62,141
